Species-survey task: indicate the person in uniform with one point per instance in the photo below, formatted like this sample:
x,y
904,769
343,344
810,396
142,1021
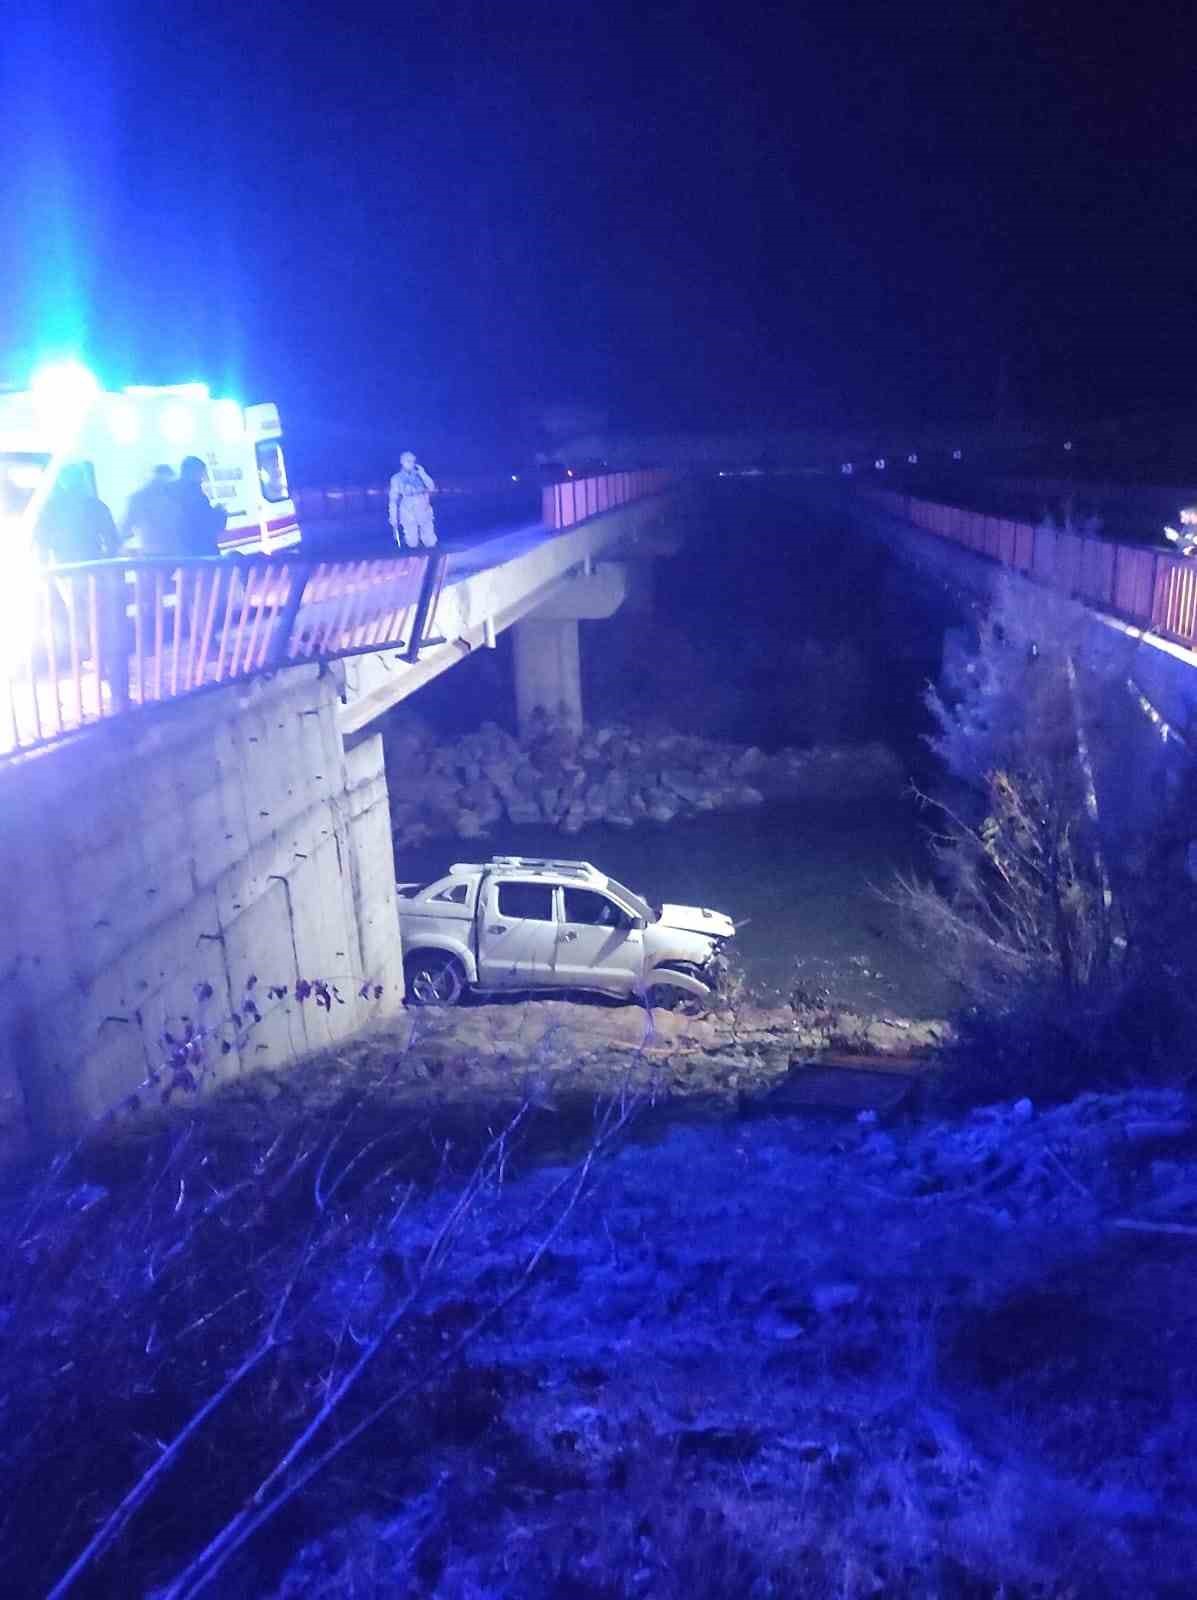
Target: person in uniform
x,y
410,504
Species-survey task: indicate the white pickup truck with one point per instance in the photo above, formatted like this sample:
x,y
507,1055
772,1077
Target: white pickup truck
x,y
520,924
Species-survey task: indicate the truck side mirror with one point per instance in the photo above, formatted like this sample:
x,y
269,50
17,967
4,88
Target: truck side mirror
x,y
637,924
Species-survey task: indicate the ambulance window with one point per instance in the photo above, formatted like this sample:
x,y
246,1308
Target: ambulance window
x,y
272,470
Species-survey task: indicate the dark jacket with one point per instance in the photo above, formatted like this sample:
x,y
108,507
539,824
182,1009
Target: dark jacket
x,y
76,526
200,522
152,519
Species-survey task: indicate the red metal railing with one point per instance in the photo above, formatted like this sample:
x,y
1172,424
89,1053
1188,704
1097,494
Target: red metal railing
x,y
1152,588
565,504
93,642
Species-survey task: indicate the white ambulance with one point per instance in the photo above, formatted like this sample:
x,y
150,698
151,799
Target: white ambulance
x,y
65,417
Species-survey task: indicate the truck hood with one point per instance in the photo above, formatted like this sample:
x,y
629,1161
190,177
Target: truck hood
x,y
697,919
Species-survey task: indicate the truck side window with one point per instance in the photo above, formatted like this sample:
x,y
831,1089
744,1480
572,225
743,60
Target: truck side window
x,y
455,894
529,902
591,909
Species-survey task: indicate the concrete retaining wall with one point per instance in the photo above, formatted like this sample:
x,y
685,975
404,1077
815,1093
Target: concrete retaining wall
x,y
225,838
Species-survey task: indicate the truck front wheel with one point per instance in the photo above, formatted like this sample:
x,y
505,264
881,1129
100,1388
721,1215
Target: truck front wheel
x,y
669,997
433,978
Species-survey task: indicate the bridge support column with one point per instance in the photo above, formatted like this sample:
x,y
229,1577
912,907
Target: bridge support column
x,y
548,671
548,667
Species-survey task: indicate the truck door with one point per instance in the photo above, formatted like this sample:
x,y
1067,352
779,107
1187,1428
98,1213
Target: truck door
x,y
599,945
517,935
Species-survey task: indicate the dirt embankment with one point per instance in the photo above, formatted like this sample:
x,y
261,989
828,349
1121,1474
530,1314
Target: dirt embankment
x,y
782,1357
572,1051
731,1351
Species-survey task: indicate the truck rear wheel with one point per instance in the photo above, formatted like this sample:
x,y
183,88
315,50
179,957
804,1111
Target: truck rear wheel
x,y
433,978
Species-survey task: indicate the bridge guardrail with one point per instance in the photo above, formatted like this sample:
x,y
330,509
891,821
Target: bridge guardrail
x,y
1154,589
91,642
565,504
562,504
102,639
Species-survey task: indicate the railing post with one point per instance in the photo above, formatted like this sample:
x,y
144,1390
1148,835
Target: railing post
x,y
110,637
279,653
430,588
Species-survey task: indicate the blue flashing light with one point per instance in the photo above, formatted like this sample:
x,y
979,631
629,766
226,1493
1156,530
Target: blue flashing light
x,y
64,386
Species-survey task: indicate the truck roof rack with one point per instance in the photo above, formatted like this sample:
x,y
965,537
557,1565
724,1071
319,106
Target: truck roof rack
x,y
532,864
573,869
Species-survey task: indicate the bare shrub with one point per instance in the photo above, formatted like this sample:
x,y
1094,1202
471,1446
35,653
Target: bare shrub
x,y
200,1321
1035,906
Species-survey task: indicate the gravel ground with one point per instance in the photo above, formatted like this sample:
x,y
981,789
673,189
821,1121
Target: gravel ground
x,y
764,1350
783,1356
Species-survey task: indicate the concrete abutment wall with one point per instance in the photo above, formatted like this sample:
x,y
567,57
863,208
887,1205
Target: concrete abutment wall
x,y
222,839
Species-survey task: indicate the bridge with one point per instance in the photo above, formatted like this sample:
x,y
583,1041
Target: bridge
x,y
192,794
94,642
1150,590
194,807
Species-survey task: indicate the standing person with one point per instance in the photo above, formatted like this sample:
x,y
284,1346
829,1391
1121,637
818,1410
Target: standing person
x,y
410,506
150,525
200,522
75,524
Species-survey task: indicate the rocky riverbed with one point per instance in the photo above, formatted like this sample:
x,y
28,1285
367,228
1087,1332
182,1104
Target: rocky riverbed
x,y
612,774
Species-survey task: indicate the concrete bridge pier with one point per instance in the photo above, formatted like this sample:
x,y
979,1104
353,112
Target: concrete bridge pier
x,y
548,662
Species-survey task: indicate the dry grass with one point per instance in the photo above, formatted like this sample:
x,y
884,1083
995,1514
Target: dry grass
x,y
198,1330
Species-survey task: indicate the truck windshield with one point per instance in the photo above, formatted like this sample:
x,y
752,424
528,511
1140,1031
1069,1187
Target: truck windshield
x,y
20,473
636,902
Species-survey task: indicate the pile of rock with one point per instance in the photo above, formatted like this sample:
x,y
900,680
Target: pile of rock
x,y
611,774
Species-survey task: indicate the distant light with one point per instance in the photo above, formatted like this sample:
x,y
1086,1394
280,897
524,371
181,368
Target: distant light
x,y
569,472
177,424
880,463
845,468
1068,444
515,477
913,458
123,422
229,421
957,455
63,390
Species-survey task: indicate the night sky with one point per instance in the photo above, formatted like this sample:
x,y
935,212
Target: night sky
x,y
438,220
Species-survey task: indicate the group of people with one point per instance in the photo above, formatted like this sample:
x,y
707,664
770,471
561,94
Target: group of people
x,y
170,515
